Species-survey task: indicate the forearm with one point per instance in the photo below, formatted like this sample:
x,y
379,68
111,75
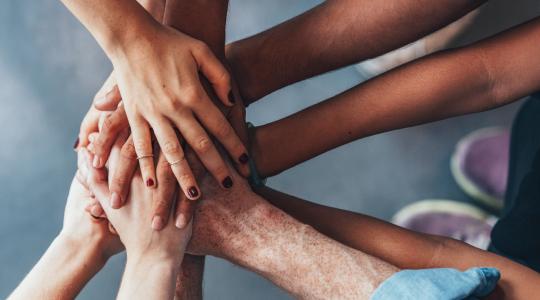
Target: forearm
x,y
200,19
333,35
62,271
398,246
471,79
297,258
189,284
112,23
148,278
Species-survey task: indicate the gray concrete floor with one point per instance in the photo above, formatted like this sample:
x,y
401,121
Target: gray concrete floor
x,y
50,68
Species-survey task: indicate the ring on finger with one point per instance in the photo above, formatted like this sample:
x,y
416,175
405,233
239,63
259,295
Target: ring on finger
x,y
176,161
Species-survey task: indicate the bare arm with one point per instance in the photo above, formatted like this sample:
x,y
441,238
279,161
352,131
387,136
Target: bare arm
x,y
80,250
333,35
61,273
479,77
397,245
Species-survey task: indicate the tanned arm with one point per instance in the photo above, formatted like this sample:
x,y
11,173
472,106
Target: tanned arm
x,y
332,35
479,77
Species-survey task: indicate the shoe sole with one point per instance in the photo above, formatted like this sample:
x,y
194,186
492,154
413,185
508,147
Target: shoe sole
x,y
441,206
463,181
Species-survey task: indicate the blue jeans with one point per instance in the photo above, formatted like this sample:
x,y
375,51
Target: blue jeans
x,y
438,284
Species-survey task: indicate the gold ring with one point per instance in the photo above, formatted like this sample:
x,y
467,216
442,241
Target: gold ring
x,y
177,161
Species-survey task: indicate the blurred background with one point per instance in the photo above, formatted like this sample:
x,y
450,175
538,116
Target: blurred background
x,y
50,68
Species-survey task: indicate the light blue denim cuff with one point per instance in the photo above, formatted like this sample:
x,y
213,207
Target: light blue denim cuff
x,y
438,284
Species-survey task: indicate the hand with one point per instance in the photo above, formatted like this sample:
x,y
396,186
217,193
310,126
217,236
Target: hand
x,y
83,229
158,80
111,125
131,221
106,99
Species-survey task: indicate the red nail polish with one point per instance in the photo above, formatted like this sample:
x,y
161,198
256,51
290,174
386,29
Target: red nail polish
x,y
150,182
227,182
76,144
243,159
193,192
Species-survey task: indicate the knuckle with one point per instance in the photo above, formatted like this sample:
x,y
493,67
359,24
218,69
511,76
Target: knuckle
x,y
109,124
224,130
118,182
190,96
141,145
185,178
201,47
203,144
224,78
171,147
128,151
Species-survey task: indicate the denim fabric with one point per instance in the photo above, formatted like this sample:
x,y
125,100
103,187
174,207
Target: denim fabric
x,y
438,284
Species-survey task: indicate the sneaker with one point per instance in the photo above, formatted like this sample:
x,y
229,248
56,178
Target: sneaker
x,y
436,41
480,165
457,220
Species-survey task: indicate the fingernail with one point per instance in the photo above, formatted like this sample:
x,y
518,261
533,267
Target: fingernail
x,y
244,158
100,99
116,202
193,192
150,182
231,97
227,182
157,223
97,161
181,221
76,145
96,211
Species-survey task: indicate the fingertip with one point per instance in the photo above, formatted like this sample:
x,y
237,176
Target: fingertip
x,y
193,193
181,221
158,223
150,183
116,200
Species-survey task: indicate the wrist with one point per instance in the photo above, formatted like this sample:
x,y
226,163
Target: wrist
x,y
135,37
150,262
75,252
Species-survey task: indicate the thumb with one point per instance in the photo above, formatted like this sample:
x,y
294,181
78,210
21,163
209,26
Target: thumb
x,y
109,101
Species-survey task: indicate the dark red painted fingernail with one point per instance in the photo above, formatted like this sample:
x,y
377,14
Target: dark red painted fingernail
x,y
244,158
193,192
150,182
76,145
227,182
231,98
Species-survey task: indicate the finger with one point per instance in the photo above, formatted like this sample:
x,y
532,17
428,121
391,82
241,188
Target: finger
x,y
163,198
206,151
216,123
95,182
140,131
123,169
184,211
88,125
112,125
174,155
109,101
215,72
83,161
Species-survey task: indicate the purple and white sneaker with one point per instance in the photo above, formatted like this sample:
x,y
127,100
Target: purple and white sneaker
x,y
453,219
480,165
